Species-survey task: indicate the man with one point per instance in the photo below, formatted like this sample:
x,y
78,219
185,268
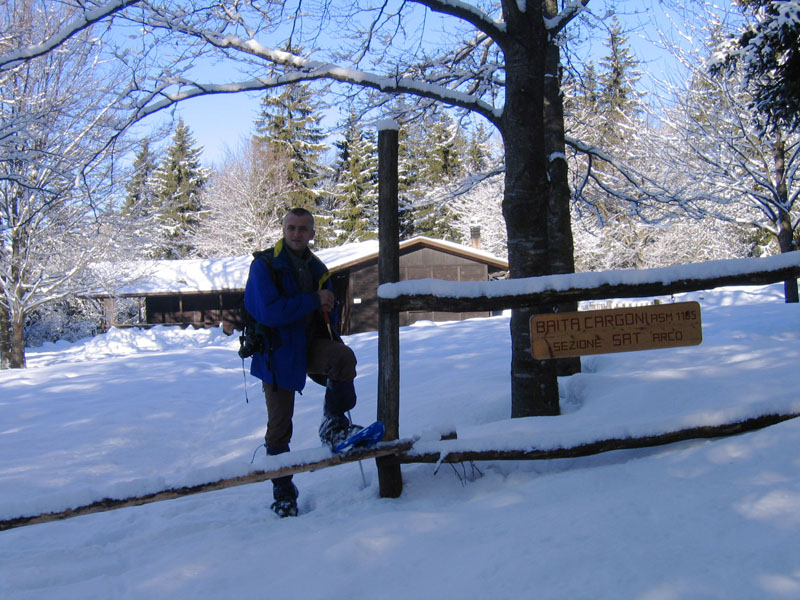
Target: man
x,y
289,292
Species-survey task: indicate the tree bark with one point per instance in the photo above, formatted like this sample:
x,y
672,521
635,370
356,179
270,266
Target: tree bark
x,y
559,226
785,232
5,337
16,316
534,387
17,356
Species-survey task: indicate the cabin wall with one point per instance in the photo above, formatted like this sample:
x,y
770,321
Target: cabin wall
x,y
418,263
199,310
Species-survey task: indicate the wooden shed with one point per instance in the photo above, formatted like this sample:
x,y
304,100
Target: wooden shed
x,y
356,282
208,292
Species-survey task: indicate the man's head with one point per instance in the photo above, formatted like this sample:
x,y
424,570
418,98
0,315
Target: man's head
x,y
298,230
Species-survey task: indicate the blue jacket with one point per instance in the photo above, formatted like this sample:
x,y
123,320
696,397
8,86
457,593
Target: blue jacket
x,y
285,311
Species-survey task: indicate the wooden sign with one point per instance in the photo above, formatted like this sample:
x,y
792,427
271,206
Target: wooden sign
x,y
559,335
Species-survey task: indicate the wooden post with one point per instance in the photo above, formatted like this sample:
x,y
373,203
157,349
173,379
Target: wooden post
x,y
389,476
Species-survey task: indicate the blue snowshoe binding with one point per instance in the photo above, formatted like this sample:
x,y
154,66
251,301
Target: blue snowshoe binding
x,y
363,438
336,429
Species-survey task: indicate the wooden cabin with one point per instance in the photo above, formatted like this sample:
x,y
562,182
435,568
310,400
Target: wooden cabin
x,y
356,282
209,292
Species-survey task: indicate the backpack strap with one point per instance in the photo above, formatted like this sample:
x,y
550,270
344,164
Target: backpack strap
x,y
268,256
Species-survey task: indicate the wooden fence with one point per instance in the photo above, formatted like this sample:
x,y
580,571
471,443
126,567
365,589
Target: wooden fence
x,y
395,297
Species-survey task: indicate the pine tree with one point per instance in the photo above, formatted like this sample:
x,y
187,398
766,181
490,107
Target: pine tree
x,y
290,120
408,178
179,180
767,49
477,158
431,157
603,110
618,100
444,151
356,218
140,190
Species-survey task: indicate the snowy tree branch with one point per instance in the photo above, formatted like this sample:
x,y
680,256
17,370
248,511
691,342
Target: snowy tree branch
x,y
86,20
469,13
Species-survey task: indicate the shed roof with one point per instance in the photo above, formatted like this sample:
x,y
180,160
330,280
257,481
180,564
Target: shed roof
x,y
230,273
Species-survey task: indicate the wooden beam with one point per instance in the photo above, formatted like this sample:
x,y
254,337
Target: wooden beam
x,y
598,447
603,292
302,465
397,452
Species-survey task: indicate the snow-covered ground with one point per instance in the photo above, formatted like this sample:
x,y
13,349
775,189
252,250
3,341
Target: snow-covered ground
x,y
131,412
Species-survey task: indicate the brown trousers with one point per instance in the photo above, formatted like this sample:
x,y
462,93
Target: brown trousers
x,y
330,358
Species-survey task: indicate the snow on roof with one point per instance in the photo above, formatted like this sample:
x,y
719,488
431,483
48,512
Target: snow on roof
x,y
230,273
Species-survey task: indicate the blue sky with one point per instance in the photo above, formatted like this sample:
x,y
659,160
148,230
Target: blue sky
x,y
220,122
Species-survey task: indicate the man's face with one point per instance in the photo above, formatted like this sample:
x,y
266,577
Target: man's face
x,y
298,231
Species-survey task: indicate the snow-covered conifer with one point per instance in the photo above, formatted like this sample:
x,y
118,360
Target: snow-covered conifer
x,y
356,216
179,180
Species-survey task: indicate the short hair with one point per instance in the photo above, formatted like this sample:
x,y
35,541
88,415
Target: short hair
x,y
300,212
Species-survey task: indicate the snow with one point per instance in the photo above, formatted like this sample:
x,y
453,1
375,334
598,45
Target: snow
x,y
230,273
227,273
130,412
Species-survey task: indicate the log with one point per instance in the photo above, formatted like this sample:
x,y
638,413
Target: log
x,y
106,504
598,447
397,452
430,302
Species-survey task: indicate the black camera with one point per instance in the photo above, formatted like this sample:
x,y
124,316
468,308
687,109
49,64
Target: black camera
x,y
249,344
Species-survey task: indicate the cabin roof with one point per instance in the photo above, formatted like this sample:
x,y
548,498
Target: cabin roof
x,y
187,276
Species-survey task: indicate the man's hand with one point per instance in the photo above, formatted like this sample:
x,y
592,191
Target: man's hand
x,y
326,300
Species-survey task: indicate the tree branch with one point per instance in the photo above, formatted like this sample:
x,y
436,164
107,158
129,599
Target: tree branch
x,y
309,70
71,29
471,14
570,11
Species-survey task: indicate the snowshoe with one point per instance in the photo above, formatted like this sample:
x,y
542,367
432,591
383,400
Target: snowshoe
x,y
363,438
335,430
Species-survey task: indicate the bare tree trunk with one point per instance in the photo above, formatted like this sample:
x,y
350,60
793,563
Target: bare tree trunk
x,y
785,233
559,226
5,337
17,355
534,387
16,317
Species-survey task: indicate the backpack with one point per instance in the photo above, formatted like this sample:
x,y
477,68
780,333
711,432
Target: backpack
x,y
257,337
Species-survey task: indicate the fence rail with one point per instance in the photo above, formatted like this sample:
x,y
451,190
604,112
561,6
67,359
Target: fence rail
x,y
562,289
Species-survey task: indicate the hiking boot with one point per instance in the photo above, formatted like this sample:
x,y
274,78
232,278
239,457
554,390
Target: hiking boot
x,y
286,507
285,494
336,429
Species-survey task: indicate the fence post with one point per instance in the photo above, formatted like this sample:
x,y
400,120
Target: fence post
x,y
390,478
